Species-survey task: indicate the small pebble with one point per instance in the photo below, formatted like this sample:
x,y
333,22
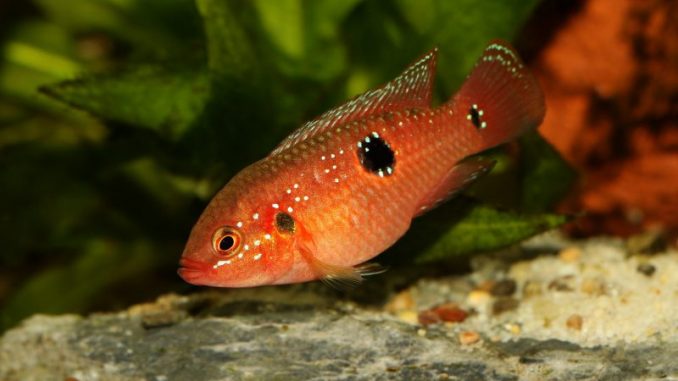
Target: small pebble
x,y
421,332
448,312
575,322
570,254
505,287
651,242
593,287
408,316
468,337
401,301
646,269
428,317
561,284
532,288
478,297
502,305
486,286
513,328
451,313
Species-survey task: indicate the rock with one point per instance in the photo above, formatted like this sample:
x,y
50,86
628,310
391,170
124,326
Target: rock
x,y
311,332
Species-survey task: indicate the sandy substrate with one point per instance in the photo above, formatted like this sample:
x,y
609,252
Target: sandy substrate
x,y
592,293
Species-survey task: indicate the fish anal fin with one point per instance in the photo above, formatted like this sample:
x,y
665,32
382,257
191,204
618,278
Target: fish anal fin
x,y
463,174
411,89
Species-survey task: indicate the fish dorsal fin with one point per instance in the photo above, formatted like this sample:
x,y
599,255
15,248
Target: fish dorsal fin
x,y
411,89
455,180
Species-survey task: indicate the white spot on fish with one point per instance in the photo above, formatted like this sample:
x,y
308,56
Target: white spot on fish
x,y
289,209
305,198
297,199
257,243
239,224
296,186
275,206
267,236
255,216
257,256
322,157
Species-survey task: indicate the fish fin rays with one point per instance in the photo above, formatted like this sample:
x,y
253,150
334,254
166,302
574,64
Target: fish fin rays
x,y
340,277
411,89
463,174
500,97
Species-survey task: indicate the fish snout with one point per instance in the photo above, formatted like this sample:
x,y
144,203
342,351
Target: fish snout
x,y
191,270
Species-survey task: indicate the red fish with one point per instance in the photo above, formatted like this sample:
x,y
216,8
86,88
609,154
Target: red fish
x,y
345,186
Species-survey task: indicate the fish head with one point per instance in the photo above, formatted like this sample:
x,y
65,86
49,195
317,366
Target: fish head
x,y
234,245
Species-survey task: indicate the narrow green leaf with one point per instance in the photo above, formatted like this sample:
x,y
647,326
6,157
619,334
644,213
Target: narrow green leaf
x,y
167,102
228,47
465,226
546,177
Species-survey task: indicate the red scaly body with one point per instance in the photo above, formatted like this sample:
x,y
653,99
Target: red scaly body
x,y
346,186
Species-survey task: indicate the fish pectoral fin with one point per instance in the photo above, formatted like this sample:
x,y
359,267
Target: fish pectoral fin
x,y
342,277
463,174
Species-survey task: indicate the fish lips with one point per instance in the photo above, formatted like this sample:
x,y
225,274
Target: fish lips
x,y
191,271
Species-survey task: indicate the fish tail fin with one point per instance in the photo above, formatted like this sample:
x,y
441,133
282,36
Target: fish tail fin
x,y
500,98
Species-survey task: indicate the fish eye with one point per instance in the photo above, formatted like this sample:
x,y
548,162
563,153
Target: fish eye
x,y
225,241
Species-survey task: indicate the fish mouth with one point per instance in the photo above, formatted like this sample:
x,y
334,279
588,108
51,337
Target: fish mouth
x,y
191,271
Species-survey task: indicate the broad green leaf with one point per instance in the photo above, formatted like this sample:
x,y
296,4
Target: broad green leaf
x,y
465,226
79,285
462,28
308,34
546,177
157,26
164,101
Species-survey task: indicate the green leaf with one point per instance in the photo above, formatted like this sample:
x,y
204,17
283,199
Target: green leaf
x,y
462,28
151,26
78,286
165,101
307,34
465,226
229,52
546,177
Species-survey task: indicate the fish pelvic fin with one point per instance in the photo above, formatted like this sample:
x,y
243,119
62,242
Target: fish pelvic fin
x,y
411,89
341,277
462,175
500,98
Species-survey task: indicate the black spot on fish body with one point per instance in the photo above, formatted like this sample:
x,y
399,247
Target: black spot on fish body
x,y
474,115
376,156
284,223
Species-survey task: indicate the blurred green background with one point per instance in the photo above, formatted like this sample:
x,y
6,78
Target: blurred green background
x,y
120,118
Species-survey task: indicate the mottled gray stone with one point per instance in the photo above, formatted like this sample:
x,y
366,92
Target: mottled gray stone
x,y
303,335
